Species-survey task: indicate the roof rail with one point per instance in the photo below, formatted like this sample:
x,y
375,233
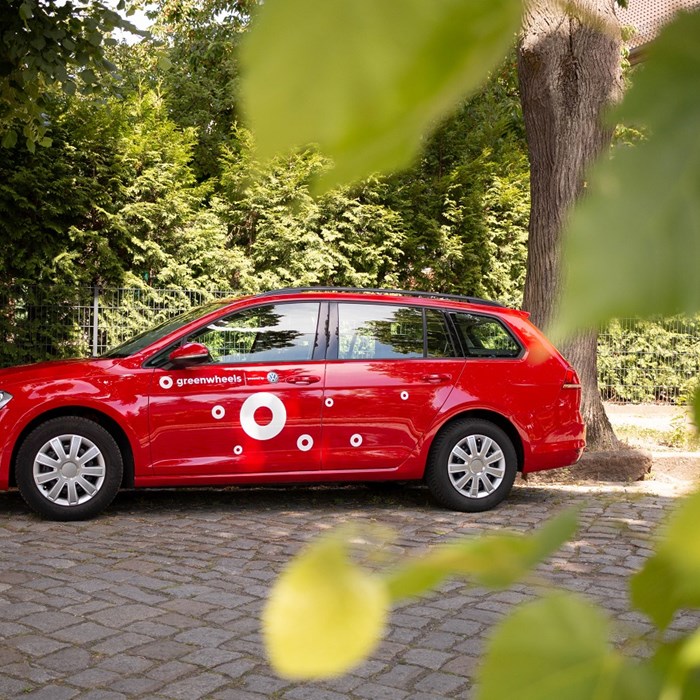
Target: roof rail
x,y
398,292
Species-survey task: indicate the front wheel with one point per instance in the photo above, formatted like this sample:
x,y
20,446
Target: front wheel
x,y
472,466
69,468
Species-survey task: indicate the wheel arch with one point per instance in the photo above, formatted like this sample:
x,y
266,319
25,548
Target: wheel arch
x,y
493,417
102,419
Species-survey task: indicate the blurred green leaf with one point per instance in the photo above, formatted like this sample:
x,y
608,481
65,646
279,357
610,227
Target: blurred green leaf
x,y
558,648
25,11
634,243
495,561
9,139
45,142
88,76
670,579
391,69
325,615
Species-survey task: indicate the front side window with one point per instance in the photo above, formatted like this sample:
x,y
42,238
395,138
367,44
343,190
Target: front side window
x,y
379,332
483,336
279,333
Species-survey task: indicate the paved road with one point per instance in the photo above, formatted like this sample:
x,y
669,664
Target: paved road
x,y
160,597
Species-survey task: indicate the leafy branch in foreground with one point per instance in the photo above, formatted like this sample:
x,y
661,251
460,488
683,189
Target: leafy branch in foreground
x,y
326,615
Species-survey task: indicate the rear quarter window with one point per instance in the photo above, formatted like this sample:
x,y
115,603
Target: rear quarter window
x,y
485,336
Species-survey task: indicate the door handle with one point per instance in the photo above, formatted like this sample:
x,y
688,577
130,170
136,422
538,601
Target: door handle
x,y
303,379
435,378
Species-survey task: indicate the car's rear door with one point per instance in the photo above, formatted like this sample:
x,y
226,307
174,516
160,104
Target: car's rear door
x,y
255,407
391,367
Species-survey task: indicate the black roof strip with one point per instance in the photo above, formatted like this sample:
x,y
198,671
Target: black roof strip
x,y
398,292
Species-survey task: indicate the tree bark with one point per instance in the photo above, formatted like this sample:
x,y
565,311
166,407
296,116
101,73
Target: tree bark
x,y
569,70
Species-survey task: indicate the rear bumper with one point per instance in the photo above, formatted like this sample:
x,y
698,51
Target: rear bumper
x,y
564,451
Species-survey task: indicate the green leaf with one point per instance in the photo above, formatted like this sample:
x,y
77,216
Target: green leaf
x,y
164,63
558,648
495,561
670,579
25,11
9,139
633,247
88,76
68,87
324,614
389,71
46,142
31,145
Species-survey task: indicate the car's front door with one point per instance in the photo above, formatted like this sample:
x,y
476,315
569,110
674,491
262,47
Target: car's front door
x,y
395,367
255,407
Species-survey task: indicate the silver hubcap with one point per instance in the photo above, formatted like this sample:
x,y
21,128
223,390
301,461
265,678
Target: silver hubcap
x,y
476,466
69,470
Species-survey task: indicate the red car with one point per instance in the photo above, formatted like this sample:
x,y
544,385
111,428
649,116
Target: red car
x,y
297,385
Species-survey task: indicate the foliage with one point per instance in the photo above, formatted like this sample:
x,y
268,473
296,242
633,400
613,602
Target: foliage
x,y
326,613
570,656
286,237
45,43
649,360
368,108
56,204
201,80
648,194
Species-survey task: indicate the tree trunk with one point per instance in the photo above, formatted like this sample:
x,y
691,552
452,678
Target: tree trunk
x,y
569,71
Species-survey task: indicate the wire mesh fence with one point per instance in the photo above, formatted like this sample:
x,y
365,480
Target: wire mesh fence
x,y
655,360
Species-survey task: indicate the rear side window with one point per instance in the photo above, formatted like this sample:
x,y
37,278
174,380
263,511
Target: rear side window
x,y
379,332
483,336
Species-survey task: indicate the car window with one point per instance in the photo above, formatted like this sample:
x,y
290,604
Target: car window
x,y
483,336
379,332
279,333
439,343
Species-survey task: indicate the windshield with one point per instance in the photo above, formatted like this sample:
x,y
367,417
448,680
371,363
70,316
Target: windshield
x,y
143,340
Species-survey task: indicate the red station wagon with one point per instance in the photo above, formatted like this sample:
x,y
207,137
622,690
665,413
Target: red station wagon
x,y
297,385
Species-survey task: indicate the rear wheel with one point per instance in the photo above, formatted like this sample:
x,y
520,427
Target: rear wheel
x,y
69,468
472,466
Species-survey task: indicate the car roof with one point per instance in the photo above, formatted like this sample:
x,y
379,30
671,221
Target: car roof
x,y
409,296
384,292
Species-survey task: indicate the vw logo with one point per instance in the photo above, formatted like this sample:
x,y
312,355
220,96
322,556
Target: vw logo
x,y
273,377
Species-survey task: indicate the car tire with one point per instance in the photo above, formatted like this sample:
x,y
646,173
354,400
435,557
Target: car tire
x,y
69,468
489,463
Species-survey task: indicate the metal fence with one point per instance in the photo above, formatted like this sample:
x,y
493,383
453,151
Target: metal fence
x,y
639,361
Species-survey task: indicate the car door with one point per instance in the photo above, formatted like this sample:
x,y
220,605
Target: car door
x,y
255,407
390,369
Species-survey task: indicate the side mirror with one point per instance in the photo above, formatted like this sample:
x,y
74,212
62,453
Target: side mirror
x,y
189,354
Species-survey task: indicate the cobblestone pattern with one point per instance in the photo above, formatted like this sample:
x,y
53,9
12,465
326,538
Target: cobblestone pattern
x,y
161,596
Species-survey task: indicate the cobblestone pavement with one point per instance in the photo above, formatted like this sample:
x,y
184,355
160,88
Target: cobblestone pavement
x,y
160,597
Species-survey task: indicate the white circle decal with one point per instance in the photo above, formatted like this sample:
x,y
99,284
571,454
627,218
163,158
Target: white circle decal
x,y
166,382
238,450
404,395
329,402
305,443
356,440
218,412
263,400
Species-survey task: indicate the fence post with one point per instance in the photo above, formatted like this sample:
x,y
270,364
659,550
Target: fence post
x,y
95,317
